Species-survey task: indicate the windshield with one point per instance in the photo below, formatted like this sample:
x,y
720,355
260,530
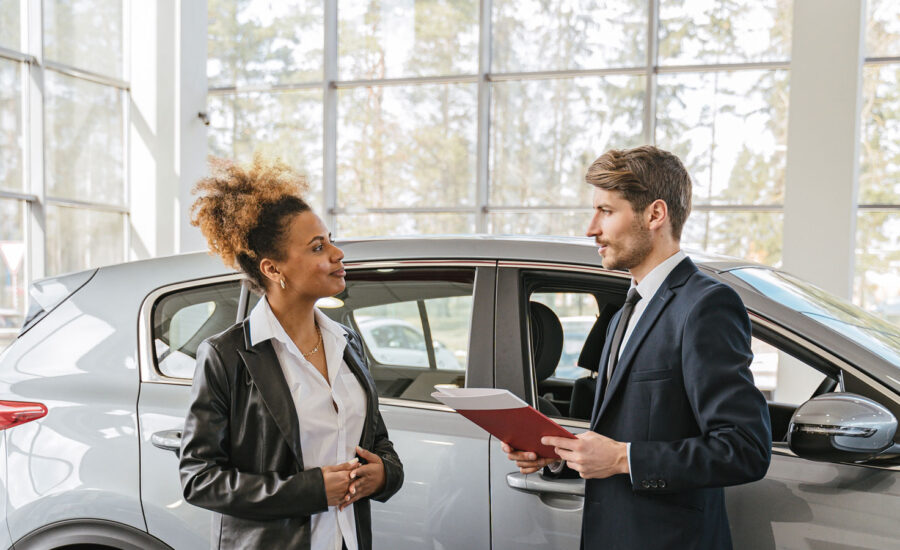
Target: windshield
x,y
870,332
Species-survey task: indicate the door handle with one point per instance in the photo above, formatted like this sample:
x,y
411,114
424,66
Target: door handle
x,y
169,440
535,483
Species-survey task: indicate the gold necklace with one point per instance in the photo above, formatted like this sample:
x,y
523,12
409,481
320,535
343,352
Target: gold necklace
x,y
318,343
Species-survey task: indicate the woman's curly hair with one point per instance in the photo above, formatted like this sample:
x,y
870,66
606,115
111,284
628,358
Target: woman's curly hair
x,y
244,211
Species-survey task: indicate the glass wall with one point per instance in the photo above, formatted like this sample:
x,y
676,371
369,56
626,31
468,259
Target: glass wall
x,y
877,283
438,116
63,147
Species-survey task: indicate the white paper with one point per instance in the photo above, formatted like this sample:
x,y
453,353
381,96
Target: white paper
x,y
477,399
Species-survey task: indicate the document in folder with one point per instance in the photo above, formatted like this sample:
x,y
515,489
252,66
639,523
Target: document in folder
x,y
504,416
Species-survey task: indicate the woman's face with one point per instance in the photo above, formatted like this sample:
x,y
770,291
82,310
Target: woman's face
x,y
311,266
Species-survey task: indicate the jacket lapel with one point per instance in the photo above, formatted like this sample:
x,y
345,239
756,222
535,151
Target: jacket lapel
x,y
357,366
654,309
601,371
265,371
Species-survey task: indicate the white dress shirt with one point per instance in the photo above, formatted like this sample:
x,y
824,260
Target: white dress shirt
x,y
647,289
327,436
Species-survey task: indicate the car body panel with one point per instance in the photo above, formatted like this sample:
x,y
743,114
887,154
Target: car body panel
x,y
81,459
5,536
180,525
456,495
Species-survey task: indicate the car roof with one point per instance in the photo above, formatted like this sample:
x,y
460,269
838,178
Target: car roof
x,y
570,250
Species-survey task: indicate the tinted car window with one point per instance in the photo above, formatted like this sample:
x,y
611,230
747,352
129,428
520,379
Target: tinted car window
x,y
867,330
184,318
414,324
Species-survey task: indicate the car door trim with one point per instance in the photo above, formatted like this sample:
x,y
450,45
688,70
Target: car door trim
x,y
149,371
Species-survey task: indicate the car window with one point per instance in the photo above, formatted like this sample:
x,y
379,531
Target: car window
x,y
184,318
414,324
781,377
577,312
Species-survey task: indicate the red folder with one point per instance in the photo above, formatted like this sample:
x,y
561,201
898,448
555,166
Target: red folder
x,y
504,416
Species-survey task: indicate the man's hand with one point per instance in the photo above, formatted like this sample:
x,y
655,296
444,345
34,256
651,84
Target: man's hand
x,y
527,462
365,480
592,455
337,480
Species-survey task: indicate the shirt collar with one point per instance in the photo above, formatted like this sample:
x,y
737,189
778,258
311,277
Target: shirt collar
x,y
264,325
653,280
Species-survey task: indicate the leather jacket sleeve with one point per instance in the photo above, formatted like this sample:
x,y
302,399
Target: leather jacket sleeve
x,y
208,477
393,468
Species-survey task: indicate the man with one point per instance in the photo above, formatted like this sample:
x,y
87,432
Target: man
x,y
676,417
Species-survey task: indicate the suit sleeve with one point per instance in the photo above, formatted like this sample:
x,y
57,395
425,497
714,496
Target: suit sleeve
x,y
208,478
383,447
734,445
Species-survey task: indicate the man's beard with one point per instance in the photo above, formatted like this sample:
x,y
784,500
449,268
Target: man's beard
x,y
640,248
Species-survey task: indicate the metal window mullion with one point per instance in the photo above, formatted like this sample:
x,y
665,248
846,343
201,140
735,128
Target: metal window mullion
x,y
14,55
652,60
329,115
446,79
82,74
724,67
35,172
265,88
88,205
482,158
569,73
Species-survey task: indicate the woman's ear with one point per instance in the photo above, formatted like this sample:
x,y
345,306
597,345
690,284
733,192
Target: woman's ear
x,y
269,270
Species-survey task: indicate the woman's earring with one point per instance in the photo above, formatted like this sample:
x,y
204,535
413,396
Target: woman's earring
x,y
282,283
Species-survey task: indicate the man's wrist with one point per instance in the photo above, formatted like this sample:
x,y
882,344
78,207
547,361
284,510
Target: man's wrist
x,y
622,460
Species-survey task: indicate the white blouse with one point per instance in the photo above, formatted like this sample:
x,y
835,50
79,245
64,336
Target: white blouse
x,y
327,436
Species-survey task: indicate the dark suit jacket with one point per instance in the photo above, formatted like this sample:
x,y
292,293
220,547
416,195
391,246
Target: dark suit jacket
x,y
683,396
240,451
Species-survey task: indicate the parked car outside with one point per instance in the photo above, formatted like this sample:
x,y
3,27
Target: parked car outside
x,y
93,394
398,342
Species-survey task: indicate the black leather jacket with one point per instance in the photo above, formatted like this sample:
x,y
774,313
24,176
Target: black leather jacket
x,y
240,451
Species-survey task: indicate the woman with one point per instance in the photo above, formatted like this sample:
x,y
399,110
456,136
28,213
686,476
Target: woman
x,y
283,438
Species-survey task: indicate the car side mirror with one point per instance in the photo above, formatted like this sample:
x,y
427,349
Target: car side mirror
x,y
842,427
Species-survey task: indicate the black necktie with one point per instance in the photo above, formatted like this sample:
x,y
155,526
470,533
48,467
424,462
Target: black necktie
x,y
632,298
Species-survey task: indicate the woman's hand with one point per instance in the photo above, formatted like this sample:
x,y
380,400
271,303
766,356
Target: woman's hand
x,y
337,481
365,480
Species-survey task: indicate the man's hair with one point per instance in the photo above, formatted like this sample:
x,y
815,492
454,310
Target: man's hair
x,y
643,175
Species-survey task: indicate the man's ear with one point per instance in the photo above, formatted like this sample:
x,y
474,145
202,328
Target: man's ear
x,y
657,214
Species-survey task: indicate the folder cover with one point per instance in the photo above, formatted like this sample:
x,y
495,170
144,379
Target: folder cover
x,y
504,416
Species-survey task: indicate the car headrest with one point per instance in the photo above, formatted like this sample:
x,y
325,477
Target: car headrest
x,y
593,345
546,339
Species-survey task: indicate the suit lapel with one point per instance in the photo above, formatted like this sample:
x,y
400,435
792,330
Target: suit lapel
x,y
654,309
265,371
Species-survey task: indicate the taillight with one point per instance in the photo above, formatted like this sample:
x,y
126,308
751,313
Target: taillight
x,y
13,413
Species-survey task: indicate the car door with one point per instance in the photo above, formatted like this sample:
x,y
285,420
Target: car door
x,y
445,500
801,503
530,511
174,320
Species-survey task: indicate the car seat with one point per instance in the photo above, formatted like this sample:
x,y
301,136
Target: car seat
x,y
584,389
546,347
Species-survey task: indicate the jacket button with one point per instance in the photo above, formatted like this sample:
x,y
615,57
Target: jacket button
x,y
645,484
662,483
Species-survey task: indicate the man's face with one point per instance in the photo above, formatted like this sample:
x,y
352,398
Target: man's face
x,y
622,235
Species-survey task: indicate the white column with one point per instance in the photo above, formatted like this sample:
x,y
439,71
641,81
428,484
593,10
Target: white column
x,y
168,140
191,147
823,142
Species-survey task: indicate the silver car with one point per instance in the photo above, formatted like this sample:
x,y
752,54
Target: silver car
x,y
94,392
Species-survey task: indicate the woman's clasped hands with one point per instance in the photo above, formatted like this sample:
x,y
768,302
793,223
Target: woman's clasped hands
x,y
348,482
